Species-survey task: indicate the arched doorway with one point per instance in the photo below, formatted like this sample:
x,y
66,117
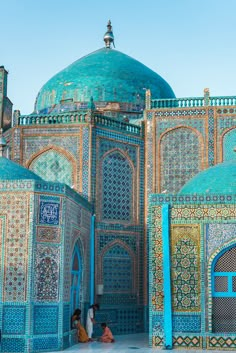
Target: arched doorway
x,y
76,277
224,292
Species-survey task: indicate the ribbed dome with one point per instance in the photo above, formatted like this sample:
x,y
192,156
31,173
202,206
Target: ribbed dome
x,y
12,171
107,75
220,179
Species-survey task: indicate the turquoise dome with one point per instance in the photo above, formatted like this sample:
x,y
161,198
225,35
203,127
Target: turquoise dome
x,y
220,179
12,171
107,75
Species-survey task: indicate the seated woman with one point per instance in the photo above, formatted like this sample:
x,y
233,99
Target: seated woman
x,y
81,333
107,336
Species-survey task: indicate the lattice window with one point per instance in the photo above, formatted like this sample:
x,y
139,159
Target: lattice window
x,y
117,187
224,292
117,270
53,166
180,159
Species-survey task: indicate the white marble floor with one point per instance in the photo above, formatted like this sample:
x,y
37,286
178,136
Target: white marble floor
x,y
124,344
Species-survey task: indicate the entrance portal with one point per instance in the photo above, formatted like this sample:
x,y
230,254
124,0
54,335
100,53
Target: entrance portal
x,y
76,276
224,292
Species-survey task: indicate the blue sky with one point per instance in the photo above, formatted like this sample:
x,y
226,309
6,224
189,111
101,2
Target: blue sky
x,y
190,43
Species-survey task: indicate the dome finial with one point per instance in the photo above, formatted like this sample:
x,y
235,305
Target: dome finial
x,y
108,36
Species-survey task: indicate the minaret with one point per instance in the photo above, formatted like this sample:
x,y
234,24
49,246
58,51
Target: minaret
x,y
5,103
108,36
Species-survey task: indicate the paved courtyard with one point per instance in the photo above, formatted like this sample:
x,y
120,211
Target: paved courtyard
x,y
124,344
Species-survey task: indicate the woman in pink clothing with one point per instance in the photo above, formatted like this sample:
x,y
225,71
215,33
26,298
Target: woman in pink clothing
x,y
107,336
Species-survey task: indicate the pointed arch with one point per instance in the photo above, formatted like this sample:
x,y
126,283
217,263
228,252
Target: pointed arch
x,y
228,144
222,289
76,277
54,164
116,187
118,268
180,152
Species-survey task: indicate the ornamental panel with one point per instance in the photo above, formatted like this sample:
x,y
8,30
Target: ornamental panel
x,y
47,263
180,159
117,270
117,188
45,319
185,259
48,234
49,212
53,166
229,145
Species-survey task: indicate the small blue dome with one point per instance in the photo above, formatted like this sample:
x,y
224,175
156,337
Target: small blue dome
x,y
10,170
220,179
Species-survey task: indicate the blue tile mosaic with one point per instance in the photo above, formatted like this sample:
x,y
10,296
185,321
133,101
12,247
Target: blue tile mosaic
x,y
14,320
45,320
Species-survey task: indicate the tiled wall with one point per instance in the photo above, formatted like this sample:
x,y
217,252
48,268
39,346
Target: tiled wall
x,y
200,228
33,315
118,191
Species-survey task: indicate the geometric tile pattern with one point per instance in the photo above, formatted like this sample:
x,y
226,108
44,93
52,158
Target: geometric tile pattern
x,y
45,319
13,320
157,325
157,341
200,226
185,250
157,261
117,270
107,145
130,239
85,162
187,341
56,139
225,122
211,142
165,123
16,247
180,158
66,318
117,187
187,323
122,321
13,345
180,113
220,212
53,166
223,341
45,344
47,264
229,145
48,234
217,235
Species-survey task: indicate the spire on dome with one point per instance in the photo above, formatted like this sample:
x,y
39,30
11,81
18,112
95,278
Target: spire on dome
x,y
108,36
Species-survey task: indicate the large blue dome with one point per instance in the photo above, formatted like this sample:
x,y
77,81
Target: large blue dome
x,y
220,179
107,75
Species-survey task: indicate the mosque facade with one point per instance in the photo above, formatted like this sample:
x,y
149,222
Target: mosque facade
x,y
96,206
